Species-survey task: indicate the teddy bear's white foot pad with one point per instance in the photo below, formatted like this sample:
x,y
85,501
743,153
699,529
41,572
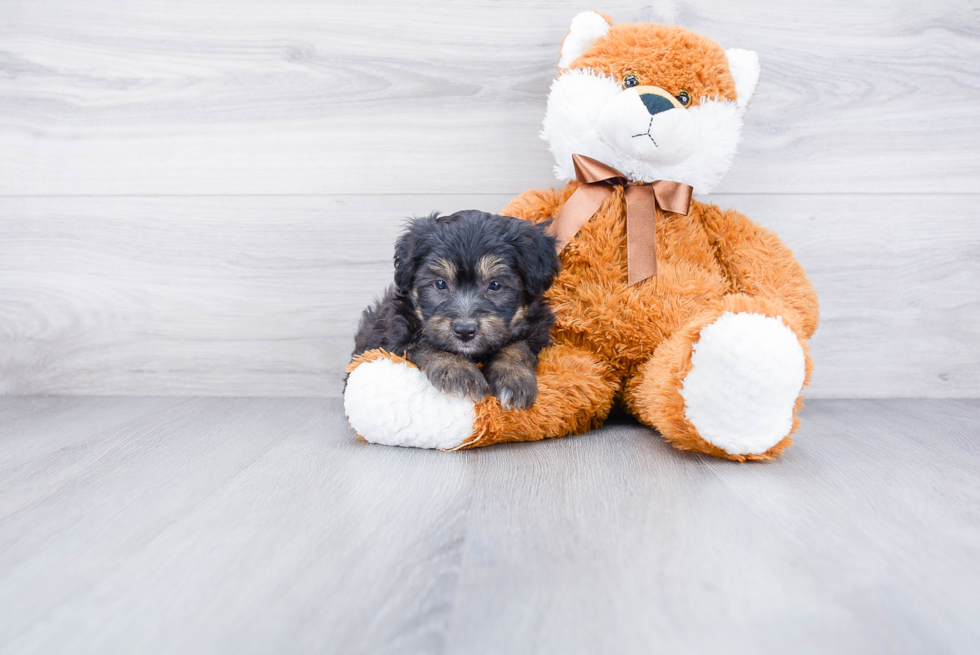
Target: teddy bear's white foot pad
x,y
747,371
394,404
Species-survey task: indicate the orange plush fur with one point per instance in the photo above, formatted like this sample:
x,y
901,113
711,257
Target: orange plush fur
x,y
664,56
709,262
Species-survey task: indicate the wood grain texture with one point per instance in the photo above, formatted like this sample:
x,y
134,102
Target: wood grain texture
x,y
276,97
260,296
262,526
352,116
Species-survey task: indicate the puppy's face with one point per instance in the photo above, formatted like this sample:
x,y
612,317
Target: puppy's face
x,y
468,305
470,277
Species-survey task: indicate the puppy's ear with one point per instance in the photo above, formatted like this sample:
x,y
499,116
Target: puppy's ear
x,y
536,257
410,249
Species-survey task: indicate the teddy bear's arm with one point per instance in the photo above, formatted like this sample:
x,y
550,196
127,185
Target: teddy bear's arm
x,y
759,264
537,205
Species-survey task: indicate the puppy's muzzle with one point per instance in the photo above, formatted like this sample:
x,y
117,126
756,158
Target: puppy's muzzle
x,y
464,330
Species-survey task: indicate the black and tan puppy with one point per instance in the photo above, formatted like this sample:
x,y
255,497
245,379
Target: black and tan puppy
x,y
469,292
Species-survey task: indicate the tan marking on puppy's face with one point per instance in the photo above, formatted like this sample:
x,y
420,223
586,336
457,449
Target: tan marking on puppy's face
x,y
489,266
519,316
445,268
415,303
494,331
439,330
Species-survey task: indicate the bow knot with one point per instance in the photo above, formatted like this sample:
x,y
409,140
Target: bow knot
x,y
642,201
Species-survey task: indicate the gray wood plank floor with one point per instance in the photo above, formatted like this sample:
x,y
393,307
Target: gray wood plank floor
x,y
262,526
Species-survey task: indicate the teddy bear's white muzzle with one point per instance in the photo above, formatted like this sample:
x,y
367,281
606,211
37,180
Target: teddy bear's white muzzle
x,y
648,132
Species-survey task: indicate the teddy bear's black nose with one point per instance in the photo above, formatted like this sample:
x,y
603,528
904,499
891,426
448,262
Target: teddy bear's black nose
x,y
655,103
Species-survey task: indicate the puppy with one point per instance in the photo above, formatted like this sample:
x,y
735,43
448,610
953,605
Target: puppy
x,y
468,293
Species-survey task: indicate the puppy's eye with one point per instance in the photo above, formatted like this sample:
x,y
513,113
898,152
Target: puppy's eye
x,y
683,97
630,81
494,286
441,285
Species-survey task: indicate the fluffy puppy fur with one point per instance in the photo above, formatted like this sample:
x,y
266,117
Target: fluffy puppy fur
x,y
468,305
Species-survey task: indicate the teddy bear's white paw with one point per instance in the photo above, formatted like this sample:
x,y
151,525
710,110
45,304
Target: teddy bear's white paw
x,y
394,404
747,371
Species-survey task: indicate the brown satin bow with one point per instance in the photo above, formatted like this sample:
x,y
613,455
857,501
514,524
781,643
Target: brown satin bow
x,y
642,200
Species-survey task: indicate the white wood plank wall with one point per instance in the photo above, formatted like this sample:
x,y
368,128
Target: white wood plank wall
x,y
199,197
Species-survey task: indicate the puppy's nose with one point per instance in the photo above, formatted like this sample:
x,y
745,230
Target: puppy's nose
x,y
464,331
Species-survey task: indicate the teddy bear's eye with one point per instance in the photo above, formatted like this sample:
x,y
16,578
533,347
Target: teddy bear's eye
x,y
684,97
630,81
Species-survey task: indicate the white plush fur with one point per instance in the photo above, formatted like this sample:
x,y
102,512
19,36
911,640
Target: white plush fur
x,y
744,67
667,137
394,404
572,126
746,372
584,30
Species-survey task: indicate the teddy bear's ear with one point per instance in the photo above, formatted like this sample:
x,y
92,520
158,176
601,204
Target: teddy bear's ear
x,y
744,66
583,32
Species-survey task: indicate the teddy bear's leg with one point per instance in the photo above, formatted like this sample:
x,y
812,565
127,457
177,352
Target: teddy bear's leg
x,y
728,383
388,400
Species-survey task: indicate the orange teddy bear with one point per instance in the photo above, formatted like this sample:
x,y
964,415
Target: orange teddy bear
x,y
694,319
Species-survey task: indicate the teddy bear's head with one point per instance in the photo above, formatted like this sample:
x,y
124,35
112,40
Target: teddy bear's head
x,y
656,102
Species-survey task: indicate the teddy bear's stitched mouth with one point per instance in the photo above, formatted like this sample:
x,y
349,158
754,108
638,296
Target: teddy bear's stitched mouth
x,y
647,133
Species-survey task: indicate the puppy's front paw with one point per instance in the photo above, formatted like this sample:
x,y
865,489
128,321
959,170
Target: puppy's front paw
x,y
458,378
514,385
